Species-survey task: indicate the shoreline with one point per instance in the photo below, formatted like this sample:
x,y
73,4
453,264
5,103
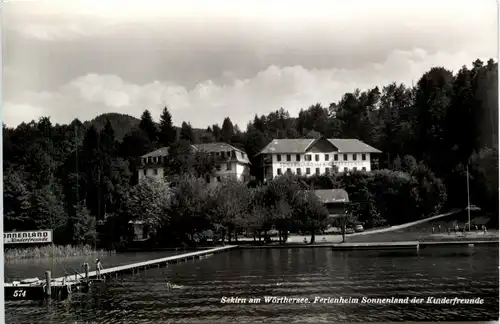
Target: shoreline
x,y
354,245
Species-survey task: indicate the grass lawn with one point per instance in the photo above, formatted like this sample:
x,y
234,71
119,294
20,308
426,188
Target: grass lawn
x,y
420,231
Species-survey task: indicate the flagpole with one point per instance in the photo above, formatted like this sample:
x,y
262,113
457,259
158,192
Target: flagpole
x,y
468,196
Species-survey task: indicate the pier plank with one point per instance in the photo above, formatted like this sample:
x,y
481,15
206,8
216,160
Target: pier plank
x,y
144,264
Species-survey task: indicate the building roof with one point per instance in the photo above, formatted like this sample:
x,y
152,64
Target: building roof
x,y
328,196
163,151
206,147
216,147
287,145
223,147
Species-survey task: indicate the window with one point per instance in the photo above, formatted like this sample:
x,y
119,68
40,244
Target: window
x,y
297,157
279,171
288,170
335,157
288,157
363,169
363,157
308,170
345,157
318,171
327,157
233,154
217,167
223,154
278,157
316,157
155,171
144,171
228,166
149,159
354,157
299,171
144,160
308,157
345,170
327,170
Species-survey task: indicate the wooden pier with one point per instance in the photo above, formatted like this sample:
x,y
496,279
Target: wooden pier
x,y
62,287
424,244
158,263
413,245
408,245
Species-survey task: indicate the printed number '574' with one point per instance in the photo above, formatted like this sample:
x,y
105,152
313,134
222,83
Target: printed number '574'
x,y
19,293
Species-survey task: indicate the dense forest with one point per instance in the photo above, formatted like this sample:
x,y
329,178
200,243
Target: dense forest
x,y
80,179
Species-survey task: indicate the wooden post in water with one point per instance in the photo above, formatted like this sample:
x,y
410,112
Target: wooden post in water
x,y
48,280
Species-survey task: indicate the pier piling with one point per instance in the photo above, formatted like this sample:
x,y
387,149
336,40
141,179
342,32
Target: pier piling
x,y
86,269
48,280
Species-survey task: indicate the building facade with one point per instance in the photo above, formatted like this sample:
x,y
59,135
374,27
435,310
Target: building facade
x,y
229,161
153,165
315,156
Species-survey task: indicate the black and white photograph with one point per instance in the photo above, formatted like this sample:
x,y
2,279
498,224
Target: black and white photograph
x,y
250,161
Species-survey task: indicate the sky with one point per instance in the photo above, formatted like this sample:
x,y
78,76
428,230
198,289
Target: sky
x,y
207,60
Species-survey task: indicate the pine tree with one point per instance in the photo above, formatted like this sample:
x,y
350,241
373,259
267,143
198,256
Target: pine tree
x,y
148,126
227,131
168,133
187,132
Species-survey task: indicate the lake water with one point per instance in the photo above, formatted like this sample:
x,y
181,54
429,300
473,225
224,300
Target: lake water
x,y
298,273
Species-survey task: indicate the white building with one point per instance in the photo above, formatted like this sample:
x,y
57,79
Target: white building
x,y
315,156
152,165
229,162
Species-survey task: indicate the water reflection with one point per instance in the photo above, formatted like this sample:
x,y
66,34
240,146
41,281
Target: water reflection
x,y
307,273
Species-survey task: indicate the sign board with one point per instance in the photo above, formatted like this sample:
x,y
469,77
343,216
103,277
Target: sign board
x,y
44,236
314,164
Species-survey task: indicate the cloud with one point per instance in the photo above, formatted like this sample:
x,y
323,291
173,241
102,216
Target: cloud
x,y
51,32
292,87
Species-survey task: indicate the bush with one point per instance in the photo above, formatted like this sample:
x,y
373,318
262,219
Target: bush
x,y
48,251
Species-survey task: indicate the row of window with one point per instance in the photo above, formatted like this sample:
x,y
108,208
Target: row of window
x,y
218,167
318,171
152,159
207,177
159,159
228,154
308,157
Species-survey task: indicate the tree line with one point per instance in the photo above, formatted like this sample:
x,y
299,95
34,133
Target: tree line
x,y
195,210
80,179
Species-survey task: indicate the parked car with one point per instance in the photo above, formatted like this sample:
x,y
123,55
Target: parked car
x,y
349,231
359,228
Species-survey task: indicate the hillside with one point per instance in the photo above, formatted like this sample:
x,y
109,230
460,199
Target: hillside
x,y
123,124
